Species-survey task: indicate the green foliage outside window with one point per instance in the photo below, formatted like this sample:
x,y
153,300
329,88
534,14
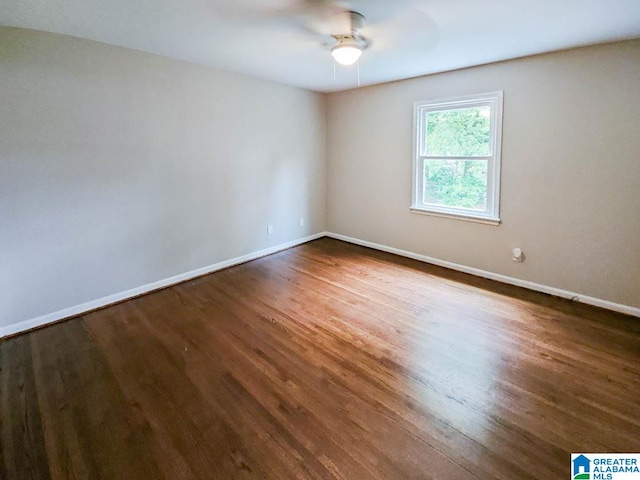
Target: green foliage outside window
x,y
461,132
456,183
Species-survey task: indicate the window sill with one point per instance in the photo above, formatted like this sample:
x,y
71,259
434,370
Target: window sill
x,y
457,216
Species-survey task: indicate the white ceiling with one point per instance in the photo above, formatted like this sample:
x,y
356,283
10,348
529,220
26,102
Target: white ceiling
x,y
279,40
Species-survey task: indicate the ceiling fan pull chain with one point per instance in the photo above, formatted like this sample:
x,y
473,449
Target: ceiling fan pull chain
x,y
334,70
358,73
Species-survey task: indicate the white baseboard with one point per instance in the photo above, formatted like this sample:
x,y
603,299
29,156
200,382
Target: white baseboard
x,y
30,324
616,307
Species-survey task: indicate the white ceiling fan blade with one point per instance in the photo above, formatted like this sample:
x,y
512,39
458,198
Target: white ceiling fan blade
x,y
408,30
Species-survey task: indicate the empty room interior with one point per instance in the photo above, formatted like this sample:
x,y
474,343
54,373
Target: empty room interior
x,y
319,239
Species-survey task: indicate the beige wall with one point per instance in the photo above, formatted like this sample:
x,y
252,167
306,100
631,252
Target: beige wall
x,y
120,168
570,170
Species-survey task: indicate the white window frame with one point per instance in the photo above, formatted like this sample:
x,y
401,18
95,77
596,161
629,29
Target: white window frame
x,y
491,215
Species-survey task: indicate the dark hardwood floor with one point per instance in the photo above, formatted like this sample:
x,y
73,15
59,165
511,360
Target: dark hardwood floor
x,y
326,361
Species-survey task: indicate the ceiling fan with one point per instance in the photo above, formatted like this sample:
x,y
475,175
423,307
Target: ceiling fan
x,y
340,26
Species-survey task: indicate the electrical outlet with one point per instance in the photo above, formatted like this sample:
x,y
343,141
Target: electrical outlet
x,y
269,229
518,255
302,221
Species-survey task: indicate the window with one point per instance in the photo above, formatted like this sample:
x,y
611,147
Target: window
x,y
457,157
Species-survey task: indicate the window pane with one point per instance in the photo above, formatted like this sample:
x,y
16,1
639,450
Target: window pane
x,y
462,132
456,183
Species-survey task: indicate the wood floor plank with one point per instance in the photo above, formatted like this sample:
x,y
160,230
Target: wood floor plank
x,y
22,448
378,394
90,431
309,400
200,437
326,361
188,429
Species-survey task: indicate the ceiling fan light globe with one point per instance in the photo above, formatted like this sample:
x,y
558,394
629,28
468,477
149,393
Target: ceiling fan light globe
x,y
346,54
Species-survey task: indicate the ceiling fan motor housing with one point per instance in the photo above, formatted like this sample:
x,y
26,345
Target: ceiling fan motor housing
x,y
348,29
356,20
